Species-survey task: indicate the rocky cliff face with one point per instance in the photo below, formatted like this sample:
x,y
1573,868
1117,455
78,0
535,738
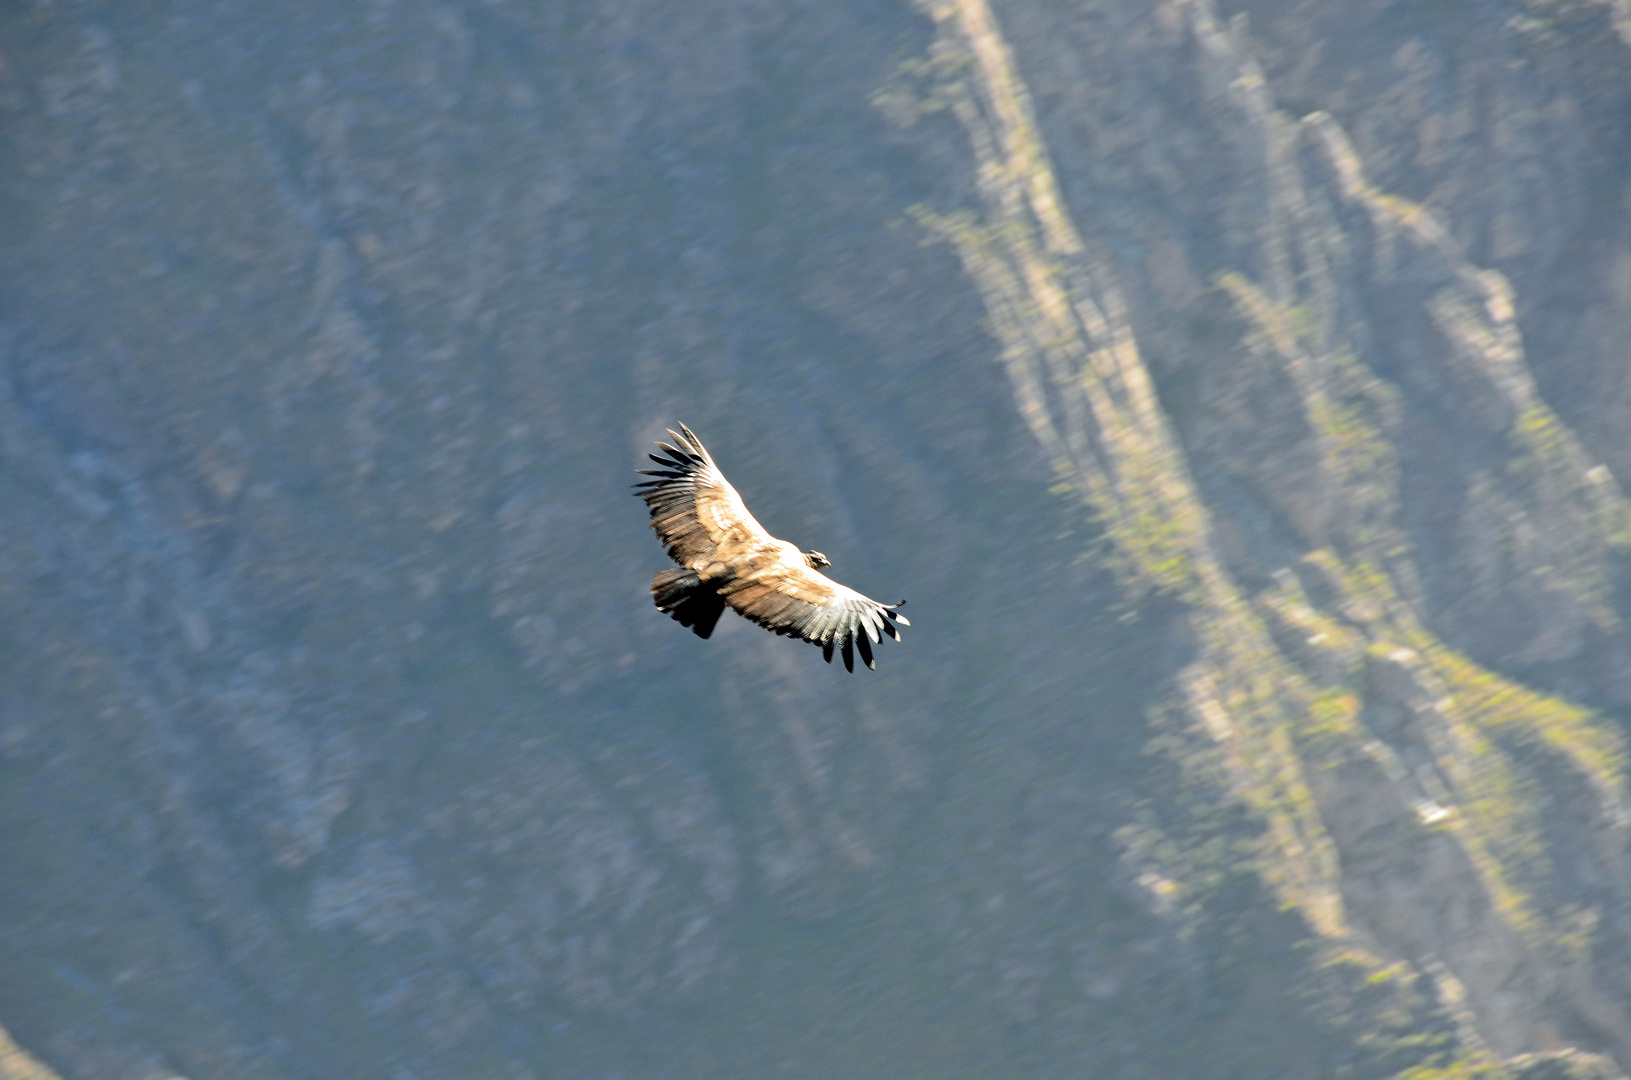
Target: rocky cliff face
x,y
1235,392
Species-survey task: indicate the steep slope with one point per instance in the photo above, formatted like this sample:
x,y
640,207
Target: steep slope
x,y
1364,431
1262,712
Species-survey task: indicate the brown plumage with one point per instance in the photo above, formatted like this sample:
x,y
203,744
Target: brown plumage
x,y
726,557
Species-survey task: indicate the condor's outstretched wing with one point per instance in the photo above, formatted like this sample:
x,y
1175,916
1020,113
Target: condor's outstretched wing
x,y
695,512
794,600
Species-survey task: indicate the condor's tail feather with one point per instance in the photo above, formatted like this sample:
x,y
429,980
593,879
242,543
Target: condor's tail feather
x,y
682,596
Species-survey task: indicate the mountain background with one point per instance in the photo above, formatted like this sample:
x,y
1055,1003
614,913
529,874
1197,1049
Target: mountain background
x,y
1237,390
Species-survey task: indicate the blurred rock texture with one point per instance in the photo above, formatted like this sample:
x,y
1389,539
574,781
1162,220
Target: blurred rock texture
x,y
1237,389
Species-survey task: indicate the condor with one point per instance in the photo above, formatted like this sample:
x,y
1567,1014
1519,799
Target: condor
x,y
726,557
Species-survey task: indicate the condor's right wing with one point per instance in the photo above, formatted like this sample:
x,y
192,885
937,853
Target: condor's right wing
x,y
796,601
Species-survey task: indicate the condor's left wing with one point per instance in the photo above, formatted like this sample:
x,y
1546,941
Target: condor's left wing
x,y
695,512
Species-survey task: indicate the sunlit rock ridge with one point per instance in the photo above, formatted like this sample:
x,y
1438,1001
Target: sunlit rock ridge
x,y
1237,392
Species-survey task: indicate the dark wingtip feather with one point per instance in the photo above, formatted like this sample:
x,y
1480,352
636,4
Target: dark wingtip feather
x,y
826,651
866,651
690,447
849,653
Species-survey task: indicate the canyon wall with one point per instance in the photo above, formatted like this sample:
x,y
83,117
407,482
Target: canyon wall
x,y
1235,390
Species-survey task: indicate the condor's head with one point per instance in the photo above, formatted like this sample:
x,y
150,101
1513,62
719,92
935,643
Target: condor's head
x,y
815,559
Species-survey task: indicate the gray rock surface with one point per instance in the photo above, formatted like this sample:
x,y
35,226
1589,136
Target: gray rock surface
x,y
1234,389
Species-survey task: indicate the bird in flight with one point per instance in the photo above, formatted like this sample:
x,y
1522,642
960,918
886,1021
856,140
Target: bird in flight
x,y
726,557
